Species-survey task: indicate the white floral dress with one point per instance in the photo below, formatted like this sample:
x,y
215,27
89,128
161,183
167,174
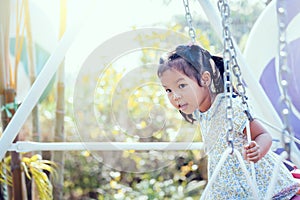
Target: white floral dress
x,y
231,182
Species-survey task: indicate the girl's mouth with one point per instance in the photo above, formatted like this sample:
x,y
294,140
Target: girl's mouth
x,y
183,107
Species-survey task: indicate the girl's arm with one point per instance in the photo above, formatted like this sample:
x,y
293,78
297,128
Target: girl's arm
x,y
260,144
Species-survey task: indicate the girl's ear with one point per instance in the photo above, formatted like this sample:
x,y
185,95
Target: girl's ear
x,y
206,78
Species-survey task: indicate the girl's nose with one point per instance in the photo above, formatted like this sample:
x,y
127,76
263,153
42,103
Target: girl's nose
x,y
176,96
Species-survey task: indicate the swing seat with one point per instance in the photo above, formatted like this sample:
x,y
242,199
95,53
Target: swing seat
x,y
296,174
294,171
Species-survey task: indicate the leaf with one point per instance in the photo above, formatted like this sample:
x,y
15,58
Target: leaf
x,y
42,182
25,170
35,157
5,174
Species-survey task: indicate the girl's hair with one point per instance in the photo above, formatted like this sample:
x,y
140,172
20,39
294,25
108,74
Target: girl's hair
x,y
192,60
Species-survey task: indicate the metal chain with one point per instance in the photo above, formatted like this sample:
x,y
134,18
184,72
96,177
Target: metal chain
x,y
228,44
227,57
230,63
283,75
189,20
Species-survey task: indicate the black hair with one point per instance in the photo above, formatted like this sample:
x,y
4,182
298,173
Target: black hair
x,y
193,60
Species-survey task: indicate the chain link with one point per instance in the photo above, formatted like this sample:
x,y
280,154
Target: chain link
x,y
283,76
189,20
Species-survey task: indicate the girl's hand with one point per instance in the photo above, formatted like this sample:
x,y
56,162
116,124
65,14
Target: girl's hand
x,y
252,152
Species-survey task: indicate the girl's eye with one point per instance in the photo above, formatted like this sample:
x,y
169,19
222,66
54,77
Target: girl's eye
x,y
182,86
168,90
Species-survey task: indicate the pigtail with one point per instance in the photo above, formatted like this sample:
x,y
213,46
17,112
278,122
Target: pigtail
x,y
217,76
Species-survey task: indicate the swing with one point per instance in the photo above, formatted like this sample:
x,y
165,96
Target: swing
x,y
229,112
295,172
229,58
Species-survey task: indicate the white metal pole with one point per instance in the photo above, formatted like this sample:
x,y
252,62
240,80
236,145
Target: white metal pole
x,y
36,90
23,146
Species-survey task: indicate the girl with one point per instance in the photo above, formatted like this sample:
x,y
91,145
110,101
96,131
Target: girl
x,y
193,81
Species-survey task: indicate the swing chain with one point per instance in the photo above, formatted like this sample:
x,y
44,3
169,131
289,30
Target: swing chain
x,y
189,20
228,53
224,9
283,75
231,65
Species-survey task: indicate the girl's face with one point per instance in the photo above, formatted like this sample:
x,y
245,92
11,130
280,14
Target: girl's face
x,y
184,93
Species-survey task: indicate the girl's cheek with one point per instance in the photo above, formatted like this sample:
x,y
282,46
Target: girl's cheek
x,y
172,102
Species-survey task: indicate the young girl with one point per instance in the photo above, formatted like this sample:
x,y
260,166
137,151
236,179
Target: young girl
x,y
193,80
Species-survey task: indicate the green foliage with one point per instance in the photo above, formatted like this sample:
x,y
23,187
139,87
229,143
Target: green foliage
x,y
5,173
182,179
34,168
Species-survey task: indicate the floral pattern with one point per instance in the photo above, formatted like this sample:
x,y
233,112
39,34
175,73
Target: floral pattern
x,y
231,182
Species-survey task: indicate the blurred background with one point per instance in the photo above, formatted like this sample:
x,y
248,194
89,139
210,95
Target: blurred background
x,y
115,100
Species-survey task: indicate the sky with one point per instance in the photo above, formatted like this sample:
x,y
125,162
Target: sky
x,y
114,15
